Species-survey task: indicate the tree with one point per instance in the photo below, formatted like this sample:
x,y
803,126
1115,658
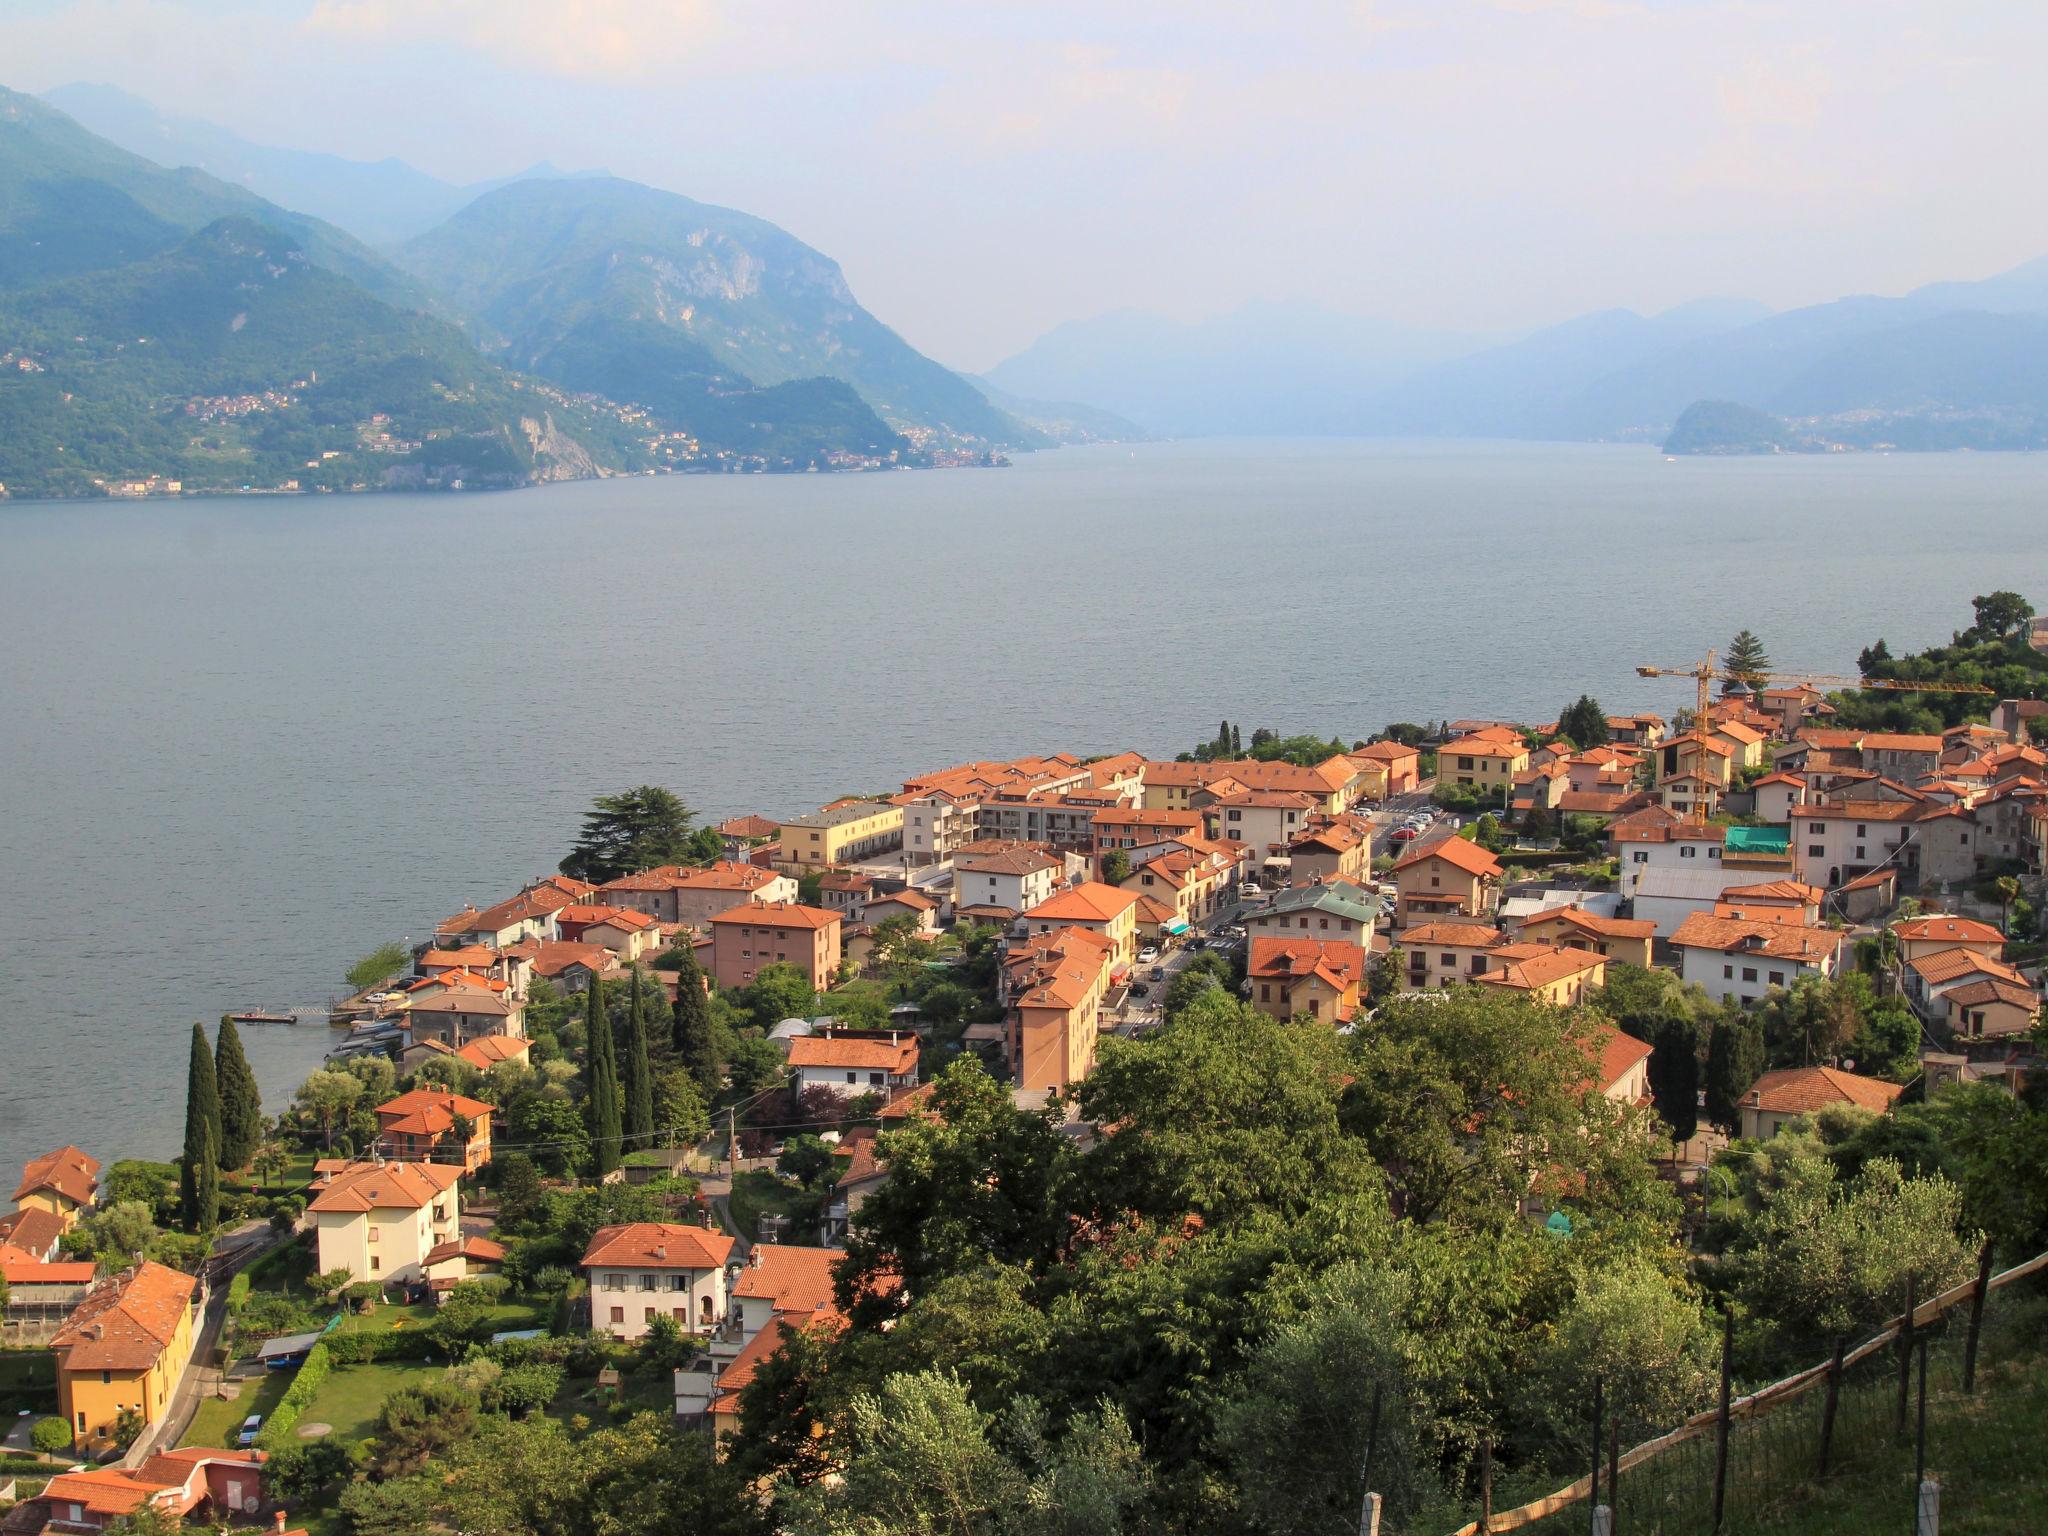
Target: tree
x,y
417,1422
330,1283
2008,888
807,1159
241,1103
1746,659
270,1160
601,1081
50,1436
199,1169
638,1076
1646,1343
1116,867
633,830
690,1032
1386,974
128,1424
782,991
380,964
1735,1060
329,1096
1584,723
1675,1076
2001,615
680,1116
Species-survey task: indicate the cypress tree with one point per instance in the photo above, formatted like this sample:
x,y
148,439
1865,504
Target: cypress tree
x,y
1735,1060
690,1027
241,1104
199,1167
639,1080
601,1054
1236,742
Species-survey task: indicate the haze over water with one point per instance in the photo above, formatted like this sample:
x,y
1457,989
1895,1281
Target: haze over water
x,y
242,741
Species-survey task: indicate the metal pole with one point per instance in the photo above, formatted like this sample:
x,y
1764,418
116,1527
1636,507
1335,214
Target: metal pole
x,y
1827,1412
1593,1488
1977,1298
1721,1419
1920,1435
1905,1358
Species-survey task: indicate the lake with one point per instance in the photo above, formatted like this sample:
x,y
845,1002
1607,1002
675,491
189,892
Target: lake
x,y
246,740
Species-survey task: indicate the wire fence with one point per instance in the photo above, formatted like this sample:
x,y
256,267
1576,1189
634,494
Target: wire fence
x,y
1840,1446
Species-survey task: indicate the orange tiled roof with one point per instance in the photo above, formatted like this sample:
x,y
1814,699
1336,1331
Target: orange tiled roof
x,y
1947,964
70,1172
1089,902
1975,994
894,1056
125,1323
487,1051
780,914
791,1278
1461,852
656,1245
1338,962
1464,935
1594,923
385,1187
1527,972
1800,1090
1949,930
1774,941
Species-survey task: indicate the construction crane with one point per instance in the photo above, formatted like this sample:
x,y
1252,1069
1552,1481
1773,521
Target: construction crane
x,y
1705,672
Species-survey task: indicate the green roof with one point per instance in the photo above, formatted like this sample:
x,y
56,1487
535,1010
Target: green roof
x,y
1758,839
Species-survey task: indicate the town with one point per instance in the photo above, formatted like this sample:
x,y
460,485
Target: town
x,y
622,1142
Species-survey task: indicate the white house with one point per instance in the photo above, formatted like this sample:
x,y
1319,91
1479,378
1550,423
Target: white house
x,y
1667,897
1682,846
851,1065
1013,880
379,1221
644,1269
1738,961
1265,819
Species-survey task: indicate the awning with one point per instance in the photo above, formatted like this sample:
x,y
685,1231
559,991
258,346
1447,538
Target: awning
x,y
1177,927
1119,971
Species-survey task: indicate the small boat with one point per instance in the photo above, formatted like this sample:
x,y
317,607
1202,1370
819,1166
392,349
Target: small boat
x,y
257,1016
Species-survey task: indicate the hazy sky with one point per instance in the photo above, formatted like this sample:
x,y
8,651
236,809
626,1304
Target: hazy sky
x,y
986,171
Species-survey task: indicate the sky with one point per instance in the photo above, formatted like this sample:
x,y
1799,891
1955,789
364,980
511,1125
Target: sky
x,y
986,171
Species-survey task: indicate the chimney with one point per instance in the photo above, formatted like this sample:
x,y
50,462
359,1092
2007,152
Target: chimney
x,y
661,1251
280,1520
754,1257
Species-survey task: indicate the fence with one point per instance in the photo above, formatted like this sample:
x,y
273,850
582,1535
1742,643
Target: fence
x,y
1865,1424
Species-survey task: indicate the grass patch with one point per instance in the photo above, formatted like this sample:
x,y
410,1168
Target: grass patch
x,y
28,1379
757,1192
352,1395
218,1422
296,1175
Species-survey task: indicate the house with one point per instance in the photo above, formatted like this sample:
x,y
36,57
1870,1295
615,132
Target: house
x,y
1635,730
865,1173
845,832
572,967
1665,897
379,1221
1053,988
625,932
529,915
1333,910
1319,978
1617,938
922,911
34,1231
1267,819
1003,879
459,1015
851,1065
1869,896
1623,1065
1936,931
196,1486
1332,848
1835,842
845,892
421,1126
1129,827
1486,761
1894,754
63,1183
1192,884
1693,753
1990,1007
1778,795
1449,876
686,896
780,1289
461,1258
40,1292
125,1346
1745,743
944,811
1772,901
1642,846
1784,1095
1387,769
743,939
643,1269
1441,952
1093,905
486,1051
1546,973
1738,961
1929,978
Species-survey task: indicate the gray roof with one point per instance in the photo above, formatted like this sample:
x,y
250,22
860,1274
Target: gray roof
x,y
1339,898
1599,903
853,810
1692,884
290,1344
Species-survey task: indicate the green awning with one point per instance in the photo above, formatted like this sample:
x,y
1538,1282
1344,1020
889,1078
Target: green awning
x,y
1177,927
1758,839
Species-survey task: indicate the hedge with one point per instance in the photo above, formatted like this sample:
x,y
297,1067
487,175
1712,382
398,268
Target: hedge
x,y
238,1294
368,1348
284,1418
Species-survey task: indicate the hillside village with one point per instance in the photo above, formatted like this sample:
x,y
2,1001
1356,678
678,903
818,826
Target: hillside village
x,y
524,1152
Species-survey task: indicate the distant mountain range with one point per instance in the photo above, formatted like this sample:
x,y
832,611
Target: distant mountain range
x,y
160,324
1949,365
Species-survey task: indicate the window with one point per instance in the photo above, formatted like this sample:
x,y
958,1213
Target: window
x,y
1448,960
679,1282
853,1077
618,1314
1265,993
106,1378
375,1263
1860,853
1862,829
647,1316
1728,971
1749,973
1315,1008
1777,978
649,1282
1687,851
1816,827
1816,851
1640,856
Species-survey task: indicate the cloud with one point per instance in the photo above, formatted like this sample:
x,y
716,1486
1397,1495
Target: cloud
x,y
580,39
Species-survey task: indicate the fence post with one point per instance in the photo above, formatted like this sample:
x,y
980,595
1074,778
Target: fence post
x,y
1977,1298
1927,1518
1721,1419
1369,1518
1613,1473
1827,1412
1486,1486
1593,1487
1905,1359
1369,1512
1920,1434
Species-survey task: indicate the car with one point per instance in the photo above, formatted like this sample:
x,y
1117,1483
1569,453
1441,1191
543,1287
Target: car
x,y
1249,891
249,1427
1139,989
1157,973
1403,835
1148,954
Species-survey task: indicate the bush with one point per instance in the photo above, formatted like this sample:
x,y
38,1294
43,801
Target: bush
x,y
393,1344
238,1294
284,1418
526,1389
50,1436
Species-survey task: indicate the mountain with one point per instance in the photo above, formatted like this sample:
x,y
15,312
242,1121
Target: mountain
x,y
232,360
1063,421
539,265
381,201
1263,369
71,202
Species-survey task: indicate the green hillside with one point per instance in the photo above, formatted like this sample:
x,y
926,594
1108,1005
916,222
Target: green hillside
x,y
234,360
70,202
533,263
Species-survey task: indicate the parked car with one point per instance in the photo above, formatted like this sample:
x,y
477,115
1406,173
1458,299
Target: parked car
x,y
1148,954
1139,989
1248,891
250,1425
1157,973
1403,835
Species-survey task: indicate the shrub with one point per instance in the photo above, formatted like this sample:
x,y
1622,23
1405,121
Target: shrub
x,y
526,1389
284,1418
50,1436
238,1294
389,1344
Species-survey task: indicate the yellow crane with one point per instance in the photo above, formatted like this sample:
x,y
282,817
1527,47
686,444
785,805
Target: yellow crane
x,y
1704,672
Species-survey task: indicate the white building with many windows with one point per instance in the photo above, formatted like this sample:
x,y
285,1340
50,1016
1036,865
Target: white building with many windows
x,y
642,1270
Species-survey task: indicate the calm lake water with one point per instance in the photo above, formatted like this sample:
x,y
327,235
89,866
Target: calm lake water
x,y
242,741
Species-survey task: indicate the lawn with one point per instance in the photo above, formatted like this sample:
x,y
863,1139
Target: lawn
x,y
297,1174
411,1317
28,1379
350,1397
218,1422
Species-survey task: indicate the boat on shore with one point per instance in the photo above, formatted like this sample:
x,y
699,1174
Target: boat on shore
x,y
263,1016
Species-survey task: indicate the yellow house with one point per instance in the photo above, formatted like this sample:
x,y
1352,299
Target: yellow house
x,y
1487,759
842,833
60,1182
1093,905
125,1345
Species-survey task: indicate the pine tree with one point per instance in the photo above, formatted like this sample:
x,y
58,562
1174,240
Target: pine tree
x,y
1746,659
1735,1060
198,1169
639,1080
690,1027
602,1070
241,1103
1236,742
